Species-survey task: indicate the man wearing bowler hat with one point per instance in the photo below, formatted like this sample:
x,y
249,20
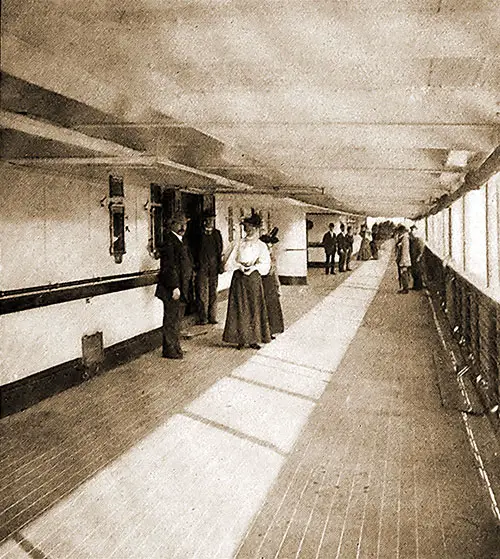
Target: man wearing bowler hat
x,y
173,284
208,267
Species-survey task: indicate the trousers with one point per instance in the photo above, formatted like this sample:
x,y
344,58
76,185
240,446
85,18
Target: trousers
x,y
329,263
206,292
173,312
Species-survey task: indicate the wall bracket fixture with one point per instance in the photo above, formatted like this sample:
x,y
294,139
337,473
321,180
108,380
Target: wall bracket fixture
x,y
116,208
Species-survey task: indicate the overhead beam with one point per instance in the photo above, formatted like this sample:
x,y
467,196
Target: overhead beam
x,y
473,180
131,161
436,170
116,154
41,129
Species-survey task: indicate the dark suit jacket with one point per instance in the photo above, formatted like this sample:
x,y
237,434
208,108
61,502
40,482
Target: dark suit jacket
x,y
341,245
210,253
417,246
329,242
176,269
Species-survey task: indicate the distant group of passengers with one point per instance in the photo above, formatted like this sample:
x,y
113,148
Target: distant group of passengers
x,y
254,315
408,244
341,243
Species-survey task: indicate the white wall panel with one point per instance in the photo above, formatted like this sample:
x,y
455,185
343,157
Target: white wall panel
x,y
291,253
54,229
125,314
493,231
475,233
40,338
457,232
36,339
22,227
68,253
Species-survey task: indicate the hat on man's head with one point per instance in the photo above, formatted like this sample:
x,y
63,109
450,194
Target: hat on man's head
x,y
254,220
208,213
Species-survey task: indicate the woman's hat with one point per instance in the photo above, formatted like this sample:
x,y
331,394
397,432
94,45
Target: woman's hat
x,y
254,220
271,237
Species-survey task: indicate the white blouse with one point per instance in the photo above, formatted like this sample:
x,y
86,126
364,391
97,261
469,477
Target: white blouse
x,y
248,255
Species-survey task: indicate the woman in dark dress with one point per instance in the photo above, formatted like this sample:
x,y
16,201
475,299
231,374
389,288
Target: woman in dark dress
x,y
365,251
272,288
247,322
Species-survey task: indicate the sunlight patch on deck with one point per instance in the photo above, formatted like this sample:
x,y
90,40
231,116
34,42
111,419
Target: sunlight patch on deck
x,y
185,487
283,376
260,412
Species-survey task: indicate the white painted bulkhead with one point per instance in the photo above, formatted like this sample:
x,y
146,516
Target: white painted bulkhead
x,y
54,229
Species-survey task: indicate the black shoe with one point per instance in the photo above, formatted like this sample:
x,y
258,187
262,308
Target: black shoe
x,y
213,321
273,337
173,356
403,291
201,322
255,346
239,346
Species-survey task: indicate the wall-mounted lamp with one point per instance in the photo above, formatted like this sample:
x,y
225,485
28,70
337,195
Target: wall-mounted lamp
x,y
116,218
155,208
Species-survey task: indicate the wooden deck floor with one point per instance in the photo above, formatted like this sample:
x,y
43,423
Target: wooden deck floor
x,y
329,442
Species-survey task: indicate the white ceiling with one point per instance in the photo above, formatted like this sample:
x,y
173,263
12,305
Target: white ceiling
x,y
364,99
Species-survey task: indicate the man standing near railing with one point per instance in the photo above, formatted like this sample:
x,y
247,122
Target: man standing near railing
x,y
403,257
417,246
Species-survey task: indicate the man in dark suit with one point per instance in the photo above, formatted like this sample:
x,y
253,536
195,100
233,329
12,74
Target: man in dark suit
x,y
341,248
176,269
208,268
330,245
417,247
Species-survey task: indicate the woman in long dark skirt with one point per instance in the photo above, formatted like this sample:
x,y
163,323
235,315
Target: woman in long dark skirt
x,y
247,322
272,289
365,252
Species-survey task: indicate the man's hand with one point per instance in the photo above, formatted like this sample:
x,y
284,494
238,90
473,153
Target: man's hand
x,y
176,294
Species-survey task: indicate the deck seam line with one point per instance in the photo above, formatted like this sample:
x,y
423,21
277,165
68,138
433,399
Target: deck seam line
x,y
274,388
234,432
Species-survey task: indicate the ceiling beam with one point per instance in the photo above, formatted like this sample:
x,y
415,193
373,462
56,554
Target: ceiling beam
x,y
117,155
41,129
473,180
368,169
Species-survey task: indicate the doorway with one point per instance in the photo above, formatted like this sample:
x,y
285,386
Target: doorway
x,y
193,206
